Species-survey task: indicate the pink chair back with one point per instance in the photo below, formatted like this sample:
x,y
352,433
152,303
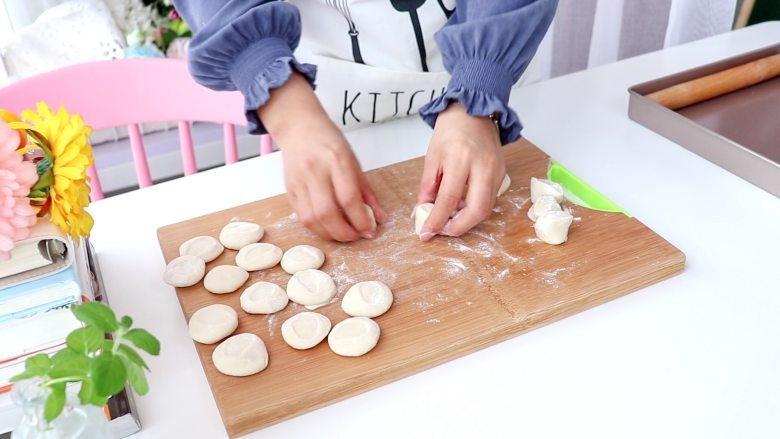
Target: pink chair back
x,y
131,92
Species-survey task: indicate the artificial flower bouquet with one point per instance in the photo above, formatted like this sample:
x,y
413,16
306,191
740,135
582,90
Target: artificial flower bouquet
x,y
44,157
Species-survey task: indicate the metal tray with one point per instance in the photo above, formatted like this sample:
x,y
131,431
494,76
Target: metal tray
x,y
738,131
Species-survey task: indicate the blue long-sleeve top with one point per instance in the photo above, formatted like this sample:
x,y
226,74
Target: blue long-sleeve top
x,y
248,45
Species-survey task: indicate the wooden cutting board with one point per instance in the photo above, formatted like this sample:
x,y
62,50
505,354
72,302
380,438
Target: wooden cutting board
x,y
453,296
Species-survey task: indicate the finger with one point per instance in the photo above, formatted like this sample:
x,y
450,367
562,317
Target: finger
x,y
480,199
430,180
302,206
328,214
346,185
370,199
447,200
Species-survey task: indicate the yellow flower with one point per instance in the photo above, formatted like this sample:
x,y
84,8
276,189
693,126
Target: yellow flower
x,y
71,155
8,117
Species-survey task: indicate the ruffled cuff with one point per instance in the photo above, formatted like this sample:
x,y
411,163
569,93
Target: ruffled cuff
x,y
262,67
482,87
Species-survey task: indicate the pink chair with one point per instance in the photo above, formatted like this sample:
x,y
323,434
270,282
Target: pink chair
x,y
131,92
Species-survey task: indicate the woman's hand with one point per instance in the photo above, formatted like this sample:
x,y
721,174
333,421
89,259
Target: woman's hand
x,y
325,184
464,150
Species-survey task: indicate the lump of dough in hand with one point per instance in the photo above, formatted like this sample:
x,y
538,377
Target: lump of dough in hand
x,y
184,271
302,257
224,279
367,299
541,187
207,248
212,323
263,298
553,227
354,337
543,204
504,185
241,355
258,256
239,234
311,288
371,216
305,330
421,214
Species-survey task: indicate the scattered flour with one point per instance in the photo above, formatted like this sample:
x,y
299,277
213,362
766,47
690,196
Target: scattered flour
x,y
271,320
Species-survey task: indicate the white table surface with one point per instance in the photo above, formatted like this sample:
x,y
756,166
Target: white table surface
x,y
696,356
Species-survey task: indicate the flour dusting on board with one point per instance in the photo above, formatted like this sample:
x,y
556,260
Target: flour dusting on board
x,y
271,320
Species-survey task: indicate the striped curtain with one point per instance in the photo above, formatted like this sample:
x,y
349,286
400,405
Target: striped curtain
x,y
589,33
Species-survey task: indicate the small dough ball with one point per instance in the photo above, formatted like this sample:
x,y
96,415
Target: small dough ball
x,y
239,234
224,279
504,185
258,256
207,248
305,330
367,299
421,213
541,187
263,298
184,271
354,337
544,204
302,257
553,227
371,216
311,288
212,323
241,355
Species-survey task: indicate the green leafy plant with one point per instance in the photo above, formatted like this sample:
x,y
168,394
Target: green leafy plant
x,y
101,355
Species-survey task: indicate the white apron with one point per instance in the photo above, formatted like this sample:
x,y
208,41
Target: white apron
x,y
376,59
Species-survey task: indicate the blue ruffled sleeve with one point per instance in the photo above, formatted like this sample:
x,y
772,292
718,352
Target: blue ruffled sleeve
x,y
244,45
486,46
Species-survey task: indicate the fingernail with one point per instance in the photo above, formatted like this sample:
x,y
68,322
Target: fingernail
x,y
368,235
426,236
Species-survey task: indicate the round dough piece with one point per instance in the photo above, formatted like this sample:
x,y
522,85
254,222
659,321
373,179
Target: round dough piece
x,y
367,299
184,271
258,256
354,337
239,234
241,355
540,186
207,248
263,298
224,279
544,204
504,185
302,257
421,213
311,288
212,323
553,227
305,330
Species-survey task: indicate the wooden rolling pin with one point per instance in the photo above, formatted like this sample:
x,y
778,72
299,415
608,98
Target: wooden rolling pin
x,y
717,84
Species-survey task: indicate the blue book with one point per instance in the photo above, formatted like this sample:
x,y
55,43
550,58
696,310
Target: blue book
x,y
41,294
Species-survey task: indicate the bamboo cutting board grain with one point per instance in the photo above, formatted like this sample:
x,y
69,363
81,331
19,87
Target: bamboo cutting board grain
x,y
453,296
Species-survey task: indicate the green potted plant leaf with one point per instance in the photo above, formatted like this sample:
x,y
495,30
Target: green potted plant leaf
x,y
102,356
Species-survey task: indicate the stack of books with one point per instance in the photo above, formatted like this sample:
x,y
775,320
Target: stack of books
x,y
46,275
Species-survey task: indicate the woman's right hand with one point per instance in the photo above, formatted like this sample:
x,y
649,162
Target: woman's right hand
x,y
325,184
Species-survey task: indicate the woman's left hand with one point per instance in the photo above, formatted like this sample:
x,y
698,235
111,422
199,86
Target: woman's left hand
x,y
464,150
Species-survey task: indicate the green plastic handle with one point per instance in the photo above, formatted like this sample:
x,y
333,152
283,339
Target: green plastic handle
x,y
580,193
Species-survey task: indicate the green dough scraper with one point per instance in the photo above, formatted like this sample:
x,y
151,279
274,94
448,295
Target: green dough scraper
x,y
580,193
